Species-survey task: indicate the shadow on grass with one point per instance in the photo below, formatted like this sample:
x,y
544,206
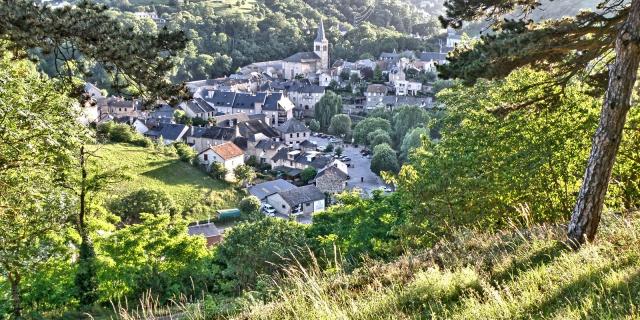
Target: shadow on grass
x,y
538,258
574,294
176,172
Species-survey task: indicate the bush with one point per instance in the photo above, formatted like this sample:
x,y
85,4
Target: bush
x,y
384,159
250,208
218,171
185,152
308,174
131,206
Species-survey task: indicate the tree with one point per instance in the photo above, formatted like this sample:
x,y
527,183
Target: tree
x,y
340,125
406,118
329,148
412,140
314,125
89,30
218,171
384,159
244,174
156,255
329,105
378,137
38,140
368,125
259,248
308,174
185,152
555,43
339,151
131,206
250,208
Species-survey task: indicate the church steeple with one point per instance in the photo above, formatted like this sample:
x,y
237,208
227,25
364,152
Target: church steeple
x,y
321,47
320,36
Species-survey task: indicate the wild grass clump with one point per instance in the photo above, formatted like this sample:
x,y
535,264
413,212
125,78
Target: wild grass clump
x,y
520,274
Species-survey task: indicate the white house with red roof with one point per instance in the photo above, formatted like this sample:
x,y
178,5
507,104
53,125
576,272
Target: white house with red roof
x,y
228,154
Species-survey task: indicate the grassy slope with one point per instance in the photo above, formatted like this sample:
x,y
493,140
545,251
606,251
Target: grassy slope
x,y
516,275
184,183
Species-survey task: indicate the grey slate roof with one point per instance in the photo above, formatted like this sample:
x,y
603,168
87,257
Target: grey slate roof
x,y
172,132
293,125
207,230
252,127
271,102
334,171
308,144
306,88
199,106
302,195
302,57
222,98
435,56
320,35
248,101
218,133
263,190
268,144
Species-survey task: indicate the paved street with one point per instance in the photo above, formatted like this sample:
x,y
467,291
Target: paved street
x,y
361,175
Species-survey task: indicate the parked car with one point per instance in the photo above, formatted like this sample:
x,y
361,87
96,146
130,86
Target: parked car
x,y
345,159
269,210
334,140
386,189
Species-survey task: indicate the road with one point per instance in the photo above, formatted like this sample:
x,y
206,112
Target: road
x,y
359,170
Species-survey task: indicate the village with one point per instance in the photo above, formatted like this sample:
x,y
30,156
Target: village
x,y
260,116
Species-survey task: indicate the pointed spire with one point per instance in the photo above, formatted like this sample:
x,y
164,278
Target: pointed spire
x,y
320,37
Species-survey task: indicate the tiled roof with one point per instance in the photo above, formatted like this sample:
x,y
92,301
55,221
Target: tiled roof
x,y
172,132
222,98
268,144
302,195
429,56
271,102
227,150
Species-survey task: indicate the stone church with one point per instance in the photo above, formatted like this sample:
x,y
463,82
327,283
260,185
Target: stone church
x,y
308,64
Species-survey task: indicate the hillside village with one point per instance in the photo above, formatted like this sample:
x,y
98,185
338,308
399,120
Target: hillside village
x,y
260,114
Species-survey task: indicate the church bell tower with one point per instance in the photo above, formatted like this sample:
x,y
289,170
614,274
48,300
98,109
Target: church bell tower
x,y
321,47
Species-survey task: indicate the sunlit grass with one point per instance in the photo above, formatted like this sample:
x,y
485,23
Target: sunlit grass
x,y
148,169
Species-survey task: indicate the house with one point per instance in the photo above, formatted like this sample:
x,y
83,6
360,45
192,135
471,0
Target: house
x,y
305,97
198,108
294,161
332,179
293,132
277,108
227,154
299,201
212,136
169,132
432,60
308,146
118,107
374,95
162,114
265,150
221,101
307,64
206,229
405,87
263,190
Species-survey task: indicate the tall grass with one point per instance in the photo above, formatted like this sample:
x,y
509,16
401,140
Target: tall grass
x,y
520,274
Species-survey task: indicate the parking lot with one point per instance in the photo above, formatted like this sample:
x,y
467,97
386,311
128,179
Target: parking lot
x,y
359,170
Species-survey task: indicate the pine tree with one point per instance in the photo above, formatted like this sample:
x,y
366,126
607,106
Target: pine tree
x,y
572,47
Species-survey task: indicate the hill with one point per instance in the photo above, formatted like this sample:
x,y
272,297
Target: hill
x,y
522,274
188,186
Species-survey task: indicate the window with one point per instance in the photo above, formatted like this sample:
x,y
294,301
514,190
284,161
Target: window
x,y
291,135
206,157
283,206
308,204
317,48
298,135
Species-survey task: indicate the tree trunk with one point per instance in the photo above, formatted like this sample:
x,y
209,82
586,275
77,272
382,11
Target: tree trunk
x,y
16,300
617,102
